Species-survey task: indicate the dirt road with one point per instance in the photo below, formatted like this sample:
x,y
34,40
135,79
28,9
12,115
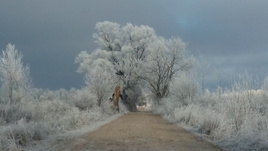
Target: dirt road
x,y
139,131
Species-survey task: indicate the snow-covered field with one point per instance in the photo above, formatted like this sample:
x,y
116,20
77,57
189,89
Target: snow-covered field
x,y
147,67
45,118
236,120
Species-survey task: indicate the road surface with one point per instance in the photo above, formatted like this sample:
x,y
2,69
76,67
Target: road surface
x,y
138,131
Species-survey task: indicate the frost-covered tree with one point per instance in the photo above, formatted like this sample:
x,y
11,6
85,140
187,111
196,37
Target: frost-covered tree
x,y
165,59
124,47
183,89
15,77
100,75
101,80
138,57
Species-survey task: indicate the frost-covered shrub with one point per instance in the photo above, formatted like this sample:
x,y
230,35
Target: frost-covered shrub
x,y
8,144
85,99
235,119
241,118
107,107
182,92
167,107
185,114
11,113
47,113
72,119
183,89
19,133
210,121
23,133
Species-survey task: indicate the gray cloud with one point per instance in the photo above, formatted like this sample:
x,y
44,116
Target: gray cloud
x,y
230,35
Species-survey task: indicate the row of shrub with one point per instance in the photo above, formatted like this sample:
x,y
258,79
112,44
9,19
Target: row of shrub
x,y
47,113
235,119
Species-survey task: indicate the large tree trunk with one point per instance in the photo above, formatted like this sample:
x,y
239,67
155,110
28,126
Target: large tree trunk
x,y
129,102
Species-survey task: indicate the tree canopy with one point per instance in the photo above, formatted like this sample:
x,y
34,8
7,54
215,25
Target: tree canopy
x,y
136,57
14,75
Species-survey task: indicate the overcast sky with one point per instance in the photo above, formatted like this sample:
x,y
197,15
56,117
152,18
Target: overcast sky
x,y
230,35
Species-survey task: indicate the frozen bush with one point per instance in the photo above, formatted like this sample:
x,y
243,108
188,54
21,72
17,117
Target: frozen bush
x,y
9,144
183,114
35,120
85,99
205,120
107,107
12,113
22,133
189,115
234,119
75,118
183,89
48,113
165,107
210,121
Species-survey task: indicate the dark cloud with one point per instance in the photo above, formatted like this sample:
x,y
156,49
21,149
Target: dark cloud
x,y
230,35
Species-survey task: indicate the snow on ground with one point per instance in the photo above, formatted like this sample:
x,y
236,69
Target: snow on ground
x,y
47,118
234,121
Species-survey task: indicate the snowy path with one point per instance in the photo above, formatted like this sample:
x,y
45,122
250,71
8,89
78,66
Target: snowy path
x,y
138,131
